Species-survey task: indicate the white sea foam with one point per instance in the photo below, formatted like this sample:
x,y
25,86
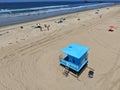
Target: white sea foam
x,y
29,9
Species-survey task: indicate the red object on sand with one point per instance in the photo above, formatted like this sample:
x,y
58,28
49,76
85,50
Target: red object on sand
x,y
111,27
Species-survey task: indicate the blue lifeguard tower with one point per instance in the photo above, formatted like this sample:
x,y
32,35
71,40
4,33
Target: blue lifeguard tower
x,y
76,57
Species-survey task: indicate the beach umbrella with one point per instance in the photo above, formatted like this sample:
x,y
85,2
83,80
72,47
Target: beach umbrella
x,y
111,27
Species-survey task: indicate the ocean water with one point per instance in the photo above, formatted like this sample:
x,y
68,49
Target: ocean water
x,y
12,13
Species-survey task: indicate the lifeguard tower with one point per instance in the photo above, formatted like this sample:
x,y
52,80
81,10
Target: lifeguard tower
x,y
76,58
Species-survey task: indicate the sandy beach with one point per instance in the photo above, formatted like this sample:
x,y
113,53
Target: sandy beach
x,y
29,57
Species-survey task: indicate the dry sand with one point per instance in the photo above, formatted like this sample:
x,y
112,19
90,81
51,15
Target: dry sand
x,y
29,58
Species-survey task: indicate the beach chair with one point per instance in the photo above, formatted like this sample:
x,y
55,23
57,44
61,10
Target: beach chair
x,y
60,21
66,71
90,74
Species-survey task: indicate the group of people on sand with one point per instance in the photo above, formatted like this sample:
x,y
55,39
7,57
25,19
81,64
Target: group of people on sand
x,y
47,26
99,13
42,28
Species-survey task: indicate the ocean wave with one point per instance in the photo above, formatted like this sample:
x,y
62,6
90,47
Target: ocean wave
x,y
53,9
7,19
75,8
29,9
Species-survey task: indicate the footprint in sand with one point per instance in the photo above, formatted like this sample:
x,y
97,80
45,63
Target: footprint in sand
x,y
17,42
22,39
10,43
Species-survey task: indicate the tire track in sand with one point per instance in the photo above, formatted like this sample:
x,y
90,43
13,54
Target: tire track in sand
x,y
106,77
38,45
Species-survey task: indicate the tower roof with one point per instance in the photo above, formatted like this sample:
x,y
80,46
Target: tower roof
x,y
75,50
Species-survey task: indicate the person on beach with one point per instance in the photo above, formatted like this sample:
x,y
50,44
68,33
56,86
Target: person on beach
x,y
40,28
100,15
47,26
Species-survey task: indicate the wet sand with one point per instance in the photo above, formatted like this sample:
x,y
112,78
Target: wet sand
x,y
29,58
